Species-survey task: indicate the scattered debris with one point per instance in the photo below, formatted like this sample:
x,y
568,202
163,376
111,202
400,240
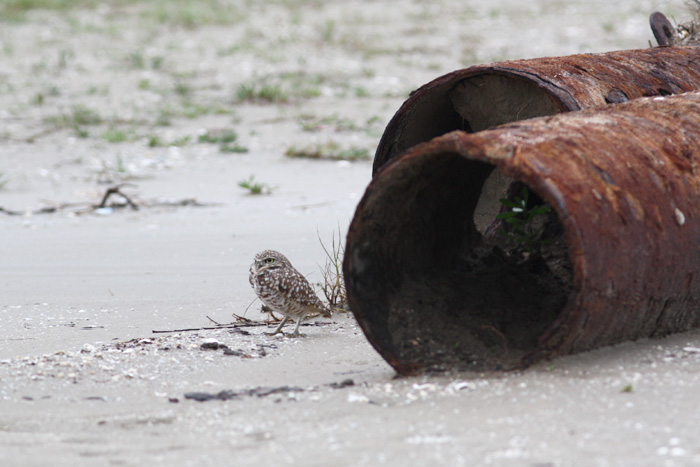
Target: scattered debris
x,y
254,392
212,344
106,208
260,391
235,326
343,384
687,33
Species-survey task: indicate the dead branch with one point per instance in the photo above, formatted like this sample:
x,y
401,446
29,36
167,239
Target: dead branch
x,y
116,190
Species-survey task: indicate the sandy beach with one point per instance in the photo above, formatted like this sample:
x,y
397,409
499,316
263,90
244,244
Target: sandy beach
x,y
177,103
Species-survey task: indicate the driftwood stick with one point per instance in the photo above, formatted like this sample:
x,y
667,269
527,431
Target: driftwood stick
x,y
209,328
117,190
250,324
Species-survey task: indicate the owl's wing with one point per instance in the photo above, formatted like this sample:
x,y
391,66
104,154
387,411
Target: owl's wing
x,y
294,284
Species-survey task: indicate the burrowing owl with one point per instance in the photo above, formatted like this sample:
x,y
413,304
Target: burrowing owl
x,y
283,289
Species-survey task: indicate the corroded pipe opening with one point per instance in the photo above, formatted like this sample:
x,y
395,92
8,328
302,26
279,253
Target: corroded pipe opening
x,y
437,280
484,96
459,293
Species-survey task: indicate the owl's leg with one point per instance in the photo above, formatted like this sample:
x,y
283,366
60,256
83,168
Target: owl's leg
x,y
296,329
279,327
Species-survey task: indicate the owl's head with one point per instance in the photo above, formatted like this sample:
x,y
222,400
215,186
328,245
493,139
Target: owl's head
x,y
269,259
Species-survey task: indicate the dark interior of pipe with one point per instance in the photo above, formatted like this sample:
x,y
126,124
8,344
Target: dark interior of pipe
x,y
457,293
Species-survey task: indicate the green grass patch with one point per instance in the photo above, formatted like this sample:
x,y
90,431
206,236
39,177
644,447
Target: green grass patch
x,y
261,92
83,115
288,86
16,10
115,135
314,123
155,141
192,13
255,188
328,151
79,117
226,139
185,13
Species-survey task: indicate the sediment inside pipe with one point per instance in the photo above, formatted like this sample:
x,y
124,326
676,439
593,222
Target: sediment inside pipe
x,y
459,292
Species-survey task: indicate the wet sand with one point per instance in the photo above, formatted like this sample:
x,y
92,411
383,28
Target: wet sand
x,y
83,378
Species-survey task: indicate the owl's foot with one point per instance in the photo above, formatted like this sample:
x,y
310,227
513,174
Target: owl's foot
x,y
279,327
294,334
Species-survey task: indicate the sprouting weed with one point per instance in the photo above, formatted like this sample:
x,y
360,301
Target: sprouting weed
x,y
255,188
521,230
333,285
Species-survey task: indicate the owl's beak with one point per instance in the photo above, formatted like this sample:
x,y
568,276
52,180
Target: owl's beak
x,y
256,266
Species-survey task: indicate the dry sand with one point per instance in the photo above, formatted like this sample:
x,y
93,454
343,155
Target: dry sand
x,y
84,381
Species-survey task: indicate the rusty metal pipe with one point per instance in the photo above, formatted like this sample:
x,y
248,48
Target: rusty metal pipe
x,y
431,293
484,96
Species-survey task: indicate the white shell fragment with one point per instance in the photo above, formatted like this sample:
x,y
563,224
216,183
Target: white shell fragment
x,y
680,217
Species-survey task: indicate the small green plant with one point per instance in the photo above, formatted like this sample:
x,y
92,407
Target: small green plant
x,y
628,388
218,136
335,122
192,14
115,135
182,88
164,117
255,188
226,139
117,170
120,167
38,99
256,92
136,60
154,141
521,230
181,141
157,62
79,117
330,151
333,285
85,116
15,10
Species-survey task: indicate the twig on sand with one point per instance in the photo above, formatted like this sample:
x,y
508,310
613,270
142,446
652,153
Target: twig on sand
x,y
116,190
242,322
83,208
209,328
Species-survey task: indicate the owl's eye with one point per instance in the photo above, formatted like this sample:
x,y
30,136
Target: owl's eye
x,y
270,260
